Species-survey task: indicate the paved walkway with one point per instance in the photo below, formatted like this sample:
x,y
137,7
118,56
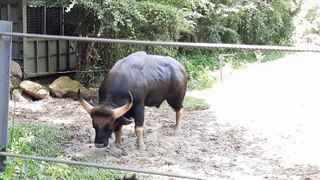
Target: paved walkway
x,y
278,101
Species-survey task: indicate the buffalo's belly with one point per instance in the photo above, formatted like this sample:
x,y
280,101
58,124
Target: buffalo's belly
x,y
153,103
154,100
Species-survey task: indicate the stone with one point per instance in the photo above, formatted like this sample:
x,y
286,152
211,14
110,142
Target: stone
x,y
19,96
35,90
65,87
15,69
14,83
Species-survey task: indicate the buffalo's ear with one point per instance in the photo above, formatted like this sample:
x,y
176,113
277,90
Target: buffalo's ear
x,y
125,121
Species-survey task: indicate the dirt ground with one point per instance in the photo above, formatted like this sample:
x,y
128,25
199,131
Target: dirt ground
x,y
262,124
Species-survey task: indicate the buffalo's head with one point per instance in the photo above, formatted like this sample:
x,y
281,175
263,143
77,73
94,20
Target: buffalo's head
x,y
106,119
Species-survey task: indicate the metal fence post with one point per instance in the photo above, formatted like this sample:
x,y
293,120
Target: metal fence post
x,y
5,57
221,61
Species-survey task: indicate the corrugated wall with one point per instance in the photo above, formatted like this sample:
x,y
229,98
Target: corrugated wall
x,y
10,10
38,57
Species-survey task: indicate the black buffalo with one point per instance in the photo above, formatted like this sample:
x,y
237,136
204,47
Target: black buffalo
x,y
134,82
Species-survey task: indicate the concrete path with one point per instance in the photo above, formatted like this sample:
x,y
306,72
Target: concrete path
x,y
278,101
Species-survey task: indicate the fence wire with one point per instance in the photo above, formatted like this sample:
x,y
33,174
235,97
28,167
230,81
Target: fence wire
x,y
164,43
103,166
66,72
140,42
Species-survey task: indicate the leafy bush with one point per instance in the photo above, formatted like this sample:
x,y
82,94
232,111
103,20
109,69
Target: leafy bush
x,y
203,66
218,21
35,139
196,64
312,16
44,140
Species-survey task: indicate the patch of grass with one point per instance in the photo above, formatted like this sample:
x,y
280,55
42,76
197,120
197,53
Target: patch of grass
x,y
36,139
273,55
198,66
94,173
190,103
204,81
44,140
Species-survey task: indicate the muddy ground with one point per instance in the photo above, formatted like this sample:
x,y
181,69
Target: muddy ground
x,y
202,148
219,143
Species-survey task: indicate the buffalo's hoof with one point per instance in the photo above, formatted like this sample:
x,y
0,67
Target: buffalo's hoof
x,y
141,146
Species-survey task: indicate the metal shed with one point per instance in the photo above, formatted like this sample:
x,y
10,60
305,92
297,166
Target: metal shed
x,y
38,57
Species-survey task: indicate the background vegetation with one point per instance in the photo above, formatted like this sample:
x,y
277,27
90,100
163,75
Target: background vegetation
x,y
215,21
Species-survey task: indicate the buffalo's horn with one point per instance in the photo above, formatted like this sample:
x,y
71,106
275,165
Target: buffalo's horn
x,y
84,103
118,112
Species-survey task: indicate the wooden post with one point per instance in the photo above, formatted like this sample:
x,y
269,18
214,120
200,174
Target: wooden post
x,y
5,57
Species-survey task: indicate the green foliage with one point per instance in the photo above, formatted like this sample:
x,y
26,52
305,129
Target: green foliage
x,y
44,140
204,81
248,22
93,173
35,139
126,19
313,15
214,21
202,67
195,64
192,103
25,169
272,55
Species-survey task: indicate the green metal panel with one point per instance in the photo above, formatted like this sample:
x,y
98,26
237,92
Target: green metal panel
x,y
11,11
37,56
5,2
48,56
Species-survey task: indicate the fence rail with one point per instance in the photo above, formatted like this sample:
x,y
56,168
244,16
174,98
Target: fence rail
x,y
164,43
112,167
153,43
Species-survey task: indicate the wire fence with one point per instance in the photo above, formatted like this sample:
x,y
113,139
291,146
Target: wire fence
x,y
163,43
66,72
104,166
139,42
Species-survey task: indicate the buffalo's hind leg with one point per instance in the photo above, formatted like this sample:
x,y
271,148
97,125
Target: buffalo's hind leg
x,y
139,121
179,116
176,104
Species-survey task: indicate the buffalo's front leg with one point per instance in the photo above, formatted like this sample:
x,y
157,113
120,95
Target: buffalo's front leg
x,y
118,133
139,120
179,115
139,134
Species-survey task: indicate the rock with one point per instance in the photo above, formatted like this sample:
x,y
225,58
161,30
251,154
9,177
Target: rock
x,y
14,83
65,87
33,89
15,69
19,96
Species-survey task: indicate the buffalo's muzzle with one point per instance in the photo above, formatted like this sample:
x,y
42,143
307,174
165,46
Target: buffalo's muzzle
x,y
100,145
